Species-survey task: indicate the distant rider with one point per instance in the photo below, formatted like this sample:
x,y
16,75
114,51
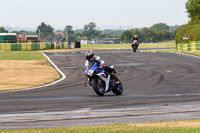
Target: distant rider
x,y
135,38
91,59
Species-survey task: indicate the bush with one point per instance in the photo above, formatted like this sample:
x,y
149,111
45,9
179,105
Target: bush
x,y
192,31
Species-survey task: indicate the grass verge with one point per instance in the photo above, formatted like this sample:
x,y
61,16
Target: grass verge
x,y
20,55
155,127
197,53
161,50
24,70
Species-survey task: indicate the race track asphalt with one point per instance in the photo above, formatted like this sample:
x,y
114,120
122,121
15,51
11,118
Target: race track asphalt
x,y
155,86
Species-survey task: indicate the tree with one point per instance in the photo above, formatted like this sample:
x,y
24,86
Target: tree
x,y
46,31
156,33
71,36
69,28
127,36
173,28
24,33
3,30
160,26
110,34
193,10
147,35
58,37
161,32
90,31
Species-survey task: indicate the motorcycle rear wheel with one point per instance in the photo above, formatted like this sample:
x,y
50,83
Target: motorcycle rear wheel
x,y
98,87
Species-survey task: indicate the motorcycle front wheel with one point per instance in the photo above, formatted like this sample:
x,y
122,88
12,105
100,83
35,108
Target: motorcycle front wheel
x,y
118,89
134,47
98,86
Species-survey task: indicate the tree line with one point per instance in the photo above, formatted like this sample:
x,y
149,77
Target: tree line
x,y
156,33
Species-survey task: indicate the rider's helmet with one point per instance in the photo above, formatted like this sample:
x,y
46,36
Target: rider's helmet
x,y
136,36
89,55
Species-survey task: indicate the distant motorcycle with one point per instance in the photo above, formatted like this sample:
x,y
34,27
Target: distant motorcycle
x,y
102,82
134,45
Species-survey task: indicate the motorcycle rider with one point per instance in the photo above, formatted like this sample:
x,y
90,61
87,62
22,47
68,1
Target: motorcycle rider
x,y
135,38
91,59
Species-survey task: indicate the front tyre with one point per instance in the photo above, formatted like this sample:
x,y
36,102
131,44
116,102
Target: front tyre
x,y
118,89
98,86
135,48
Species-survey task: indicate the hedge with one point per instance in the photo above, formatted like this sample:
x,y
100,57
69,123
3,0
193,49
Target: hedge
x,y
192,31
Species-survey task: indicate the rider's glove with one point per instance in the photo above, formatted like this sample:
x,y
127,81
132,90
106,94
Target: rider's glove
x,y
101,66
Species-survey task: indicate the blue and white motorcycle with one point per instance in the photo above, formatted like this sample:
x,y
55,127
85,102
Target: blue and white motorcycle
x,y
102,81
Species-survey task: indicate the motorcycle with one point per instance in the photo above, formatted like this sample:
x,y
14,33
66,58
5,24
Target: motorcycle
x,y
102,81
134,45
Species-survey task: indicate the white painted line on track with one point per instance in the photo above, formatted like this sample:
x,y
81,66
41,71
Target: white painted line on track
x,y
61,73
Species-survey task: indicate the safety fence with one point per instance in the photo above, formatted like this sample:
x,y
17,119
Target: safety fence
x,y
8,41
32,46
190,46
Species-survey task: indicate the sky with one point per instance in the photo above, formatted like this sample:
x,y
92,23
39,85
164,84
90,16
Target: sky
x,y
105,13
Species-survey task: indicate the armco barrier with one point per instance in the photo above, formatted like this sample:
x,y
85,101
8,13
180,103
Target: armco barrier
x,y
32,46
190,46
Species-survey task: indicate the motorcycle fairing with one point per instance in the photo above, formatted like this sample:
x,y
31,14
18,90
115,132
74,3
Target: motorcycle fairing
x,y
105,79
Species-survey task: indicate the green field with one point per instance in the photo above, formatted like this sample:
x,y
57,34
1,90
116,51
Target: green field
x,y
21,55
170,44
158,127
